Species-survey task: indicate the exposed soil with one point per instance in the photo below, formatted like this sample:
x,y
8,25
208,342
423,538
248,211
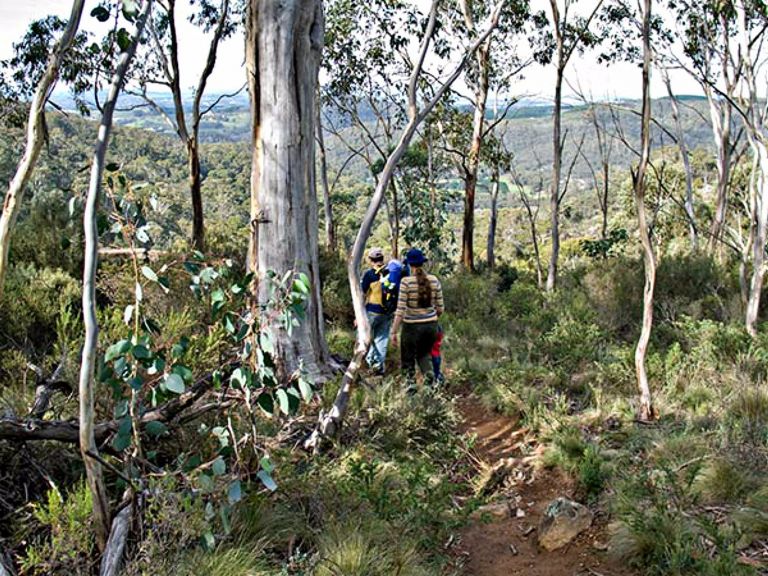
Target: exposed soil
x,y
496,546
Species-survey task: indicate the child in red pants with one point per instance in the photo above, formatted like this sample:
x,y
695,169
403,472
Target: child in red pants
x,y
437,359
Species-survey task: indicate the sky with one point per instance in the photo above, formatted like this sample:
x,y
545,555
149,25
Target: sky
x,y
602,82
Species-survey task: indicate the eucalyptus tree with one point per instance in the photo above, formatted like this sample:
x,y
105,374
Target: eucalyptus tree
x,y
711,56
499,161
366,64
494,65
569,33
417,112
45,81
284,43
88,446
161,69
752,22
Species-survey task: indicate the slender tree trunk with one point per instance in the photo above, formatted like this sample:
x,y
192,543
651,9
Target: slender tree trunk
x,y
646,404
330,423
482,59
490,256
35,137
680,133
604,203
330,232
720,112
760,236
284,46
395,219
195,188
87,437
554,198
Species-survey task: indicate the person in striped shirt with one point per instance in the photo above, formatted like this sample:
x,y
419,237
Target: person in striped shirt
x,y
419,306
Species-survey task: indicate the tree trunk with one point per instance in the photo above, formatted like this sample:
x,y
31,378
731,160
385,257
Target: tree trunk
x,y
760,237
686,163
330,232
195,188
604,203
554,197
646,404
90,344
720,112
330,423
112,560
284,48
35,136
482,59
490,256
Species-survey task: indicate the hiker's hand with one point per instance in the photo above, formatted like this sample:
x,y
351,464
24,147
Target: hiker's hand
x,y
393,338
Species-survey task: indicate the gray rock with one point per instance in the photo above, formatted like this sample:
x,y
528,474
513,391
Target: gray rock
x,y
562,522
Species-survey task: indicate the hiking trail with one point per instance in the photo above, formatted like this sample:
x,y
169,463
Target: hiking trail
x,y
503,541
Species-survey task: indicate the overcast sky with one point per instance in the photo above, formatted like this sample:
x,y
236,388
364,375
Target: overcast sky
x,y
615,81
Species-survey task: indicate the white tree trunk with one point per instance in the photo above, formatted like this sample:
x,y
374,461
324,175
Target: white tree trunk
x,y
35,134
330,423
283,51
88,361
646,405
760,237
490,251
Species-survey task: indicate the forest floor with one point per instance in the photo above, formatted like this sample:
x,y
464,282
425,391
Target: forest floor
x,y
506,543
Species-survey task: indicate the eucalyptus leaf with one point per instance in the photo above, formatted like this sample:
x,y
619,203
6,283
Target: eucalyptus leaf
x,y
174,383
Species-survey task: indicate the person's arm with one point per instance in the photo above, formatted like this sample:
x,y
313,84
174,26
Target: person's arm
x,y
439,304
366,282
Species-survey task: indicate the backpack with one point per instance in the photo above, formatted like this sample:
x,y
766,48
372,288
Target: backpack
x,y
390,285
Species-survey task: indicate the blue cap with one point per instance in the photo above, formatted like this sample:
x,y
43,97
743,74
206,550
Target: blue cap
x,y
415,257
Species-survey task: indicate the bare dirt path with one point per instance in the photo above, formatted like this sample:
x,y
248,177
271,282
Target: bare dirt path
x,y
506,544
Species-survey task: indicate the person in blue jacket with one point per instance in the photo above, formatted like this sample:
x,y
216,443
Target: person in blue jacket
x,y
379,317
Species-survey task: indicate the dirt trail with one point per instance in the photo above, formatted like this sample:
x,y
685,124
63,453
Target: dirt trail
x,y
507,545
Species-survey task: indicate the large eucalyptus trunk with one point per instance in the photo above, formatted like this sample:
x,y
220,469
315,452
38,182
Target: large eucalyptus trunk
x,y
720,112
88,448
283,49
195,188
35,137
646,404
760,223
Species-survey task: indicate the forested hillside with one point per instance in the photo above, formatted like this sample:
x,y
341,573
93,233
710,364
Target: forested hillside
x,y
211,365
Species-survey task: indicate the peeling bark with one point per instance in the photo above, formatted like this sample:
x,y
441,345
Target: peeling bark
x,y
112,560
283,202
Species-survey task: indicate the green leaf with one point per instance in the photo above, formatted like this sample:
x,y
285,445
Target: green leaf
x,y
267,480
208,275
149,274
123,39
306,390
102,15
158,365
266,403
183,371
218,295
282,399
266,464
239,378
117,349
267,343
225,522
139,292
141,352
209,542
174,383
156,428
121,442
136,383
130,9
219,467
234,494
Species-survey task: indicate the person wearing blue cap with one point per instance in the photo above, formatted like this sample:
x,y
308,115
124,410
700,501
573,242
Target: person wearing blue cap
x,y
419,305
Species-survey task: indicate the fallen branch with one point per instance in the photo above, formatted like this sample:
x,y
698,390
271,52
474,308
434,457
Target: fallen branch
x,y
118,538
142,253
33,429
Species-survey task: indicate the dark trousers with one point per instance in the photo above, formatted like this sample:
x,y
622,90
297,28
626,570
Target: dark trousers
x,y
416,348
